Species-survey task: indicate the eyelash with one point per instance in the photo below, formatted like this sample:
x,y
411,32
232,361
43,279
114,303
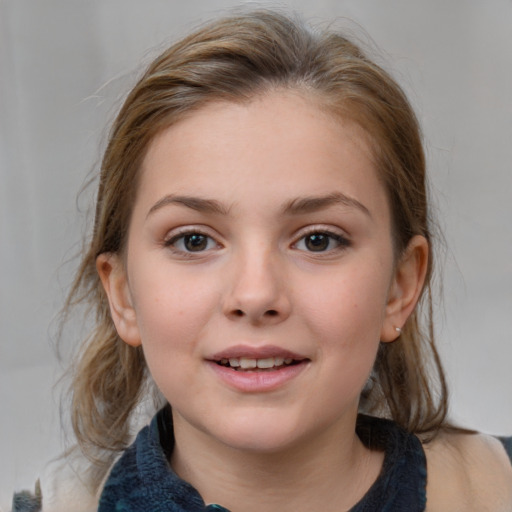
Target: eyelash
x,y
341,241
173,240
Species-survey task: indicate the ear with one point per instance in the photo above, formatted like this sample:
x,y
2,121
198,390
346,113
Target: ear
x,y
112,272
405,288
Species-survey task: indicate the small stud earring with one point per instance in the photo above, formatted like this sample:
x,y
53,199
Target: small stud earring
x,y
398,330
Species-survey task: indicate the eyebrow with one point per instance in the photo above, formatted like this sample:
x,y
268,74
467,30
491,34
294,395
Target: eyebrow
x,y
297,206
194,203
311,204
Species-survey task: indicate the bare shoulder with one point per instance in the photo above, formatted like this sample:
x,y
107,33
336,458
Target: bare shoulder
x,y
468,472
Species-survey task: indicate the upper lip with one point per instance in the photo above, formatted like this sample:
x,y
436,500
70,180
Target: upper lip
x,y
252,352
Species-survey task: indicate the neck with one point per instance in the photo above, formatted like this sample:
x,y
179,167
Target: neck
x,y
333,471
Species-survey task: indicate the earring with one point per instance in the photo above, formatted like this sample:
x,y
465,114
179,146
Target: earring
x,y
398,330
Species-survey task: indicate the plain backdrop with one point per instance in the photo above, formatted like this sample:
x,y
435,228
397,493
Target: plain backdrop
x,y
64,64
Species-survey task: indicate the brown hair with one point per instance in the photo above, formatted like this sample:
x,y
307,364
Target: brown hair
x,y
234,59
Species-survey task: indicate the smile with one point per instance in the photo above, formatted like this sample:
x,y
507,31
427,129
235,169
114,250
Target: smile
x,y
248,363
257,369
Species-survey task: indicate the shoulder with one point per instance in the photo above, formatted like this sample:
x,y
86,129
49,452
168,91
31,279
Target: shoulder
x,y
468,472
62,487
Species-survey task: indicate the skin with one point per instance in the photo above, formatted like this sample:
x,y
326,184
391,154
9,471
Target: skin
x,y
259,280
468,473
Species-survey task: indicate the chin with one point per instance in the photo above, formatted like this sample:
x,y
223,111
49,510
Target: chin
x,y
262,442
258,434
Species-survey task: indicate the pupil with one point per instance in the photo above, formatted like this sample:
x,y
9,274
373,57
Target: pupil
x,y
317,242
195,242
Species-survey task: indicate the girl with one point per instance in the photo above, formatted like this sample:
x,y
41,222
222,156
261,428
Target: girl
x,y
260,250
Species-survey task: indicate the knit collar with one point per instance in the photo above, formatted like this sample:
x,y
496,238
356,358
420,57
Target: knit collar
x,y
142,478
401,485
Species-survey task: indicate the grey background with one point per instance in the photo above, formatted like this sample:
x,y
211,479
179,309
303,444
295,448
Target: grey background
x,y
63,66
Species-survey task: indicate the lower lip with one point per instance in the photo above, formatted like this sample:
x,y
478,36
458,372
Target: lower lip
x,y
258,381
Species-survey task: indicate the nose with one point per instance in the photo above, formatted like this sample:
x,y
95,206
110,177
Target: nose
x,y
258,292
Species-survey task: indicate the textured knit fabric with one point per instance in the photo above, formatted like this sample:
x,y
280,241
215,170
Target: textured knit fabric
x,y
402,483
507,443
143,480
27,502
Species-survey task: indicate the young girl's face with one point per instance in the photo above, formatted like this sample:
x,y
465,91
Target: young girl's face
x,y
260,236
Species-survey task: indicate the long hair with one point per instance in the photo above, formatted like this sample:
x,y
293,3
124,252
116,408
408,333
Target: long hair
x,y
234,59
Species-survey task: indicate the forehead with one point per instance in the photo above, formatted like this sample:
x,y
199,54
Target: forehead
x,y
282,142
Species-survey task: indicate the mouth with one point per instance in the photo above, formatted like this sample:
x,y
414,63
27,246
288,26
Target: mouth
x,y
245,364
246,358
257,369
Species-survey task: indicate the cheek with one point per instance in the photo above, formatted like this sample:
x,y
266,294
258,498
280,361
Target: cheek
x,y
173,315
346,305
173,309
345,313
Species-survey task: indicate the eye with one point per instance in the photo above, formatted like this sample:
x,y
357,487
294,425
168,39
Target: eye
x,y
191,241
321,241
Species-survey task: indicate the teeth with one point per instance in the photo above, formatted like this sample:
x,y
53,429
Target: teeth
x,y
248,363
265,363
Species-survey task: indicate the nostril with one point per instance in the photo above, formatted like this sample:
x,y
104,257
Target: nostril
x,y
238,312
271,312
